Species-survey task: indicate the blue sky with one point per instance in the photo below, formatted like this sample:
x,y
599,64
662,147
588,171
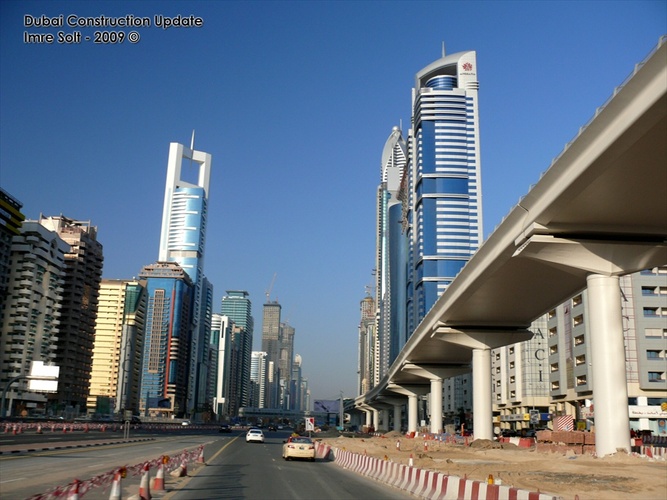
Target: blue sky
x,y
295,101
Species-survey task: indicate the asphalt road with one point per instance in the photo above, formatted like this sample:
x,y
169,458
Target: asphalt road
x,y
232,469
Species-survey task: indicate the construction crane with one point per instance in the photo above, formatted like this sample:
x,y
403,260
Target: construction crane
x,y
268,292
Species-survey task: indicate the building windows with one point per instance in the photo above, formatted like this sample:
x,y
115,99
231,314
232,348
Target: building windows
x,y
578,340
656,376
655,354
554,367
651,312
580,360
552,314
578,320
581,380
553,349
555,385
553,331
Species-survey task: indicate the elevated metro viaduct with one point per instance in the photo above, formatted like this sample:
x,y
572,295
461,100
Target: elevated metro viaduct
x,y
598,212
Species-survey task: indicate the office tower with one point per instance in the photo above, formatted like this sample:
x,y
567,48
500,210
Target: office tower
x,y
238,308
83,274
368,344
166,363
257,379
221,334
571,383
296,400
11,219
34,297
445,204
285,360
391,253
118,347
271,346
182,240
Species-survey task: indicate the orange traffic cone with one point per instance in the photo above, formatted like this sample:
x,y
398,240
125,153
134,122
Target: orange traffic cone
x,y
200,458
158,480
115,487
39,429
144,488
73,493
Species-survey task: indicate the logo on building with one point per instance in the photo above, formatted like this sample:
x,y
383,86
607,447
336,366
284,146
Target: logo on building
x,y
467,66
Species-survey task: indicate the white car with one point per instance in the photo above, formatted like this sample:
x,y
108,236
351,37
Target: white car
x,y
254,436
299,447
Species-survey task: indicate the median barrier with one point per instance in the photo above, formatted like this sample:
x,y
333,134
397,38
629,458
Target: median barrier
x,y
429,484
113,478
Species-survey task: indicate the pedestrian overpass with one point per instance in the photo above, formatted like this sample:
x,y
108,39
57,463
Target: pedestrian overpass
x,y
597,213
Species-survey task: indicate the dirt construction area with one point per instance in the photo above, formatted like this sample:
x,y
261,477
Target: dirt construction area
x,y
565,475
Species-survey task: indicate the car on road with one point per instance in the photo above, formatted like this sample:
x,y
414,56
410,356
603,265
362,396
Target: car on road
x,y
254,436
226,428
299,447
272,428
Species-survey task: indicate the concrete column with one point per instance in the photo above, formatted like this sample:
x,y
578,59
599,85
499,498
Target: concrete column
x,y
384,421
481,394
376,419
610,389
436,406
397,418
369,416
412,413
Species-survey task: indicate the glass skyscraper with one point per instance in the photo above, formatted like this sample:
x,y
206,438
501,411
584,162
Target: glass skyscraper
x,y
182,240
445,178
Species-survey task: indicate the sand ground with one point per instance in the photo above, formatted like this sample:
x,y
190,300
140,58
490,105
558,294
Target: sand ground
x,y
569,476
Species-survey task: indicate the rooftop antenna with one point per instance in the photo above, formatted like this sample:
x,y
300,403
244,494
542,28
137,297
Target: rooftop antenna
x,y
192,141
443,49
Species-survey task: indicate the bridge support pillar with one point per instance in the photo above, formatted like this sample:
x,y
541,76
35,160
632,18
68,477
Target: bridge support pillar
x,y
412,413
397,418
376,419
481,394
610,393
436,405
384,421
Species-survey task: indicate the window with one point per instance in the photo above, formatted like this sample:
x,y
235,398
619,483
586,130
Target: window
x,y
553,349
553,331
511,350
578,340
650,312
656,376
555,386
554,367
654,354
580,360
581,380
578,320
576,300
512,379
552,313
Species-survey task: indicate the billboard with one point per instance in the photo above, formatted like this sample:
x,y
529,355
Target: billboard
x,y
327,406
43,378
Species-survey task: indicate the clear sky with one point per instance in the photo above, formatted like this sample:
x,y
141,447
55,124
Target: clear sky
x,y
295,101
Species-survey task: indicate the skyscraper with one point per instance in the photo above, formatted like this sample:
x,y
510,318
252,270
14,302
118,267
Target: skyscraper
x,y
34,297
391,254
445,206
258,379
238,308
182,240
83,274
164,374
271,346
118,347
221,345
11,219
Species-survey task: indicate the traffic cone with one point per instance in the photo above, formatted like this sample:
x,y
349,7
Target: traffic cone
x,y
158,480
410,463
73,493
39,429
200,458
144,488
425,446
179,471
115,487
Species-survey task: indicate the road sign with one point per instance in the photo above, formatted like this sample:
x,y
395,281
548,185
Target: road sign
x,y
310,423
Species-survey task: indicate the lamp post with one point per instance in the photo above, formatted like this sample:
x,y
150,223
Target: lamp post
x,y
20,377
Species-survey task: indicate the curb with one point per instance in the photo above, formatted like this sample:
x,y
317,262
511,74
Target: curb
x,y
71,446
